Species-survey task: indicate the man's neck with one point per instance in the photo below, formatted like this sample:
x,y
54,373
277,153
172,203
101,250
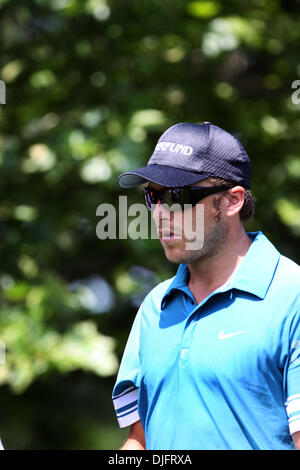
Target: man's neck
x,y
206,275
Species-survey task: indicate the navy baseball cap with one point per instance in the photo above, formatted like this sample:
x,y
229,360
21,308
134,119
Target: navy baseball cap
x,y
188,153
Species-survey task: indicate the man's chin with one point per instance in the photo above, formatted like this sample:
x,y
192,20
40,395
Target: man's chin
x,y
174,254
180,255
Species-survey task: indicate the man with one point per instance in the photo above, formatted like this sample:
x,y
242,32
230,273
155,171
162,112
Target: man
x,y
213,357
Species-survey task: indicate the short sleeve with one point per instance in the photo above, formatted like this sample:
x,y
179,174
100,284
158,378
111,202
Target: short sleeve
x,y
126,389
293,377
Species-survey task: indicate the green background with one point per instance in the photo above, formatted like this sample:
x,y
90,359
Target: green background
x,y
90,86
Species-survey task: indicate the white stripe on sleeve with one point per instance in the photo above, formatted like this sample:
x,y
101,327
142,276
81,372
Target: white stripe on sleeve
x,y
126,399
293,406
129,419
293,412
126,407
294,424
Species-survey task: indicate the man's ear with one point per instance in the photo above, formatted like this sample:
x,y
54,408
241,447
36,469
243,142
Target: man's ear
x,y
234,200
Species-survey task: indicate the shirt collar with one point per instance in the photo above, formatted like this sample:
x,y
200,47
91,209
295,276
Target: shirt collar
x,y
254,274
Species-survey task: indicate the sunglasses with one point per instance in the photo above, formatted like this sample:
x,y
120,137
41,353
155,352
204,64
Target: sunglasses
x,y
186,195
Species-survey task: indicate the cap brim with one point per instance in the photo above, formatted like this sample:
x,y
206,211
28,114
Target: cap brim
x,y
160,174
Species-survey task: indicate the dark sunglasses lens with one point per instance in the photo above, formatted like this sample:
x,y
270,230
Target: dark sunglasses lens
x,y
168,197
149,198
152,197
183,197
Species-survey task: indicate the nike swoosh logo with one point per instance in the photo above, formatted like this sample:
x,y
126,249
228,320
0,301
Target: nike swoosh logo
x,y
229,335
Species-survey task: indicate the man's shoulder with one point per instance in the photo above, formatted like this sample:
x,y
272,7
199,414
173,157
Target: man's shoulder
x,y
288,273
289,267
287,270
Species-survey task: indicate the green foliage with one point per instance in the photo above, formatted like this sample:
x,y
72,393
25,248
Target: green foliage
x,y
90,86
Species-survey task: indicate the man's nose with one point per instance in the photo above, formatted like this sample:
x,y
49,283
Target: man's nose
x,y
160,211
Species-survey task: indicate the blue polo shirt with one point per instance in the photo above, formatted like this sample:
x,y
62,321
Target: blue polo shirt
x,y
223,374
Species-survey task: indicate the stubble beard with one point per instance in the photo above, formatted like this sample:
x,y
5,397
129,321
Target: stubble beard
x,y
214,242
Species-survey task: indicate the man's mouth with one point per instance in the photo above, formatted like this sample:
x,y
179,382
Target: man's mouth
x,y
167,235
168,232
